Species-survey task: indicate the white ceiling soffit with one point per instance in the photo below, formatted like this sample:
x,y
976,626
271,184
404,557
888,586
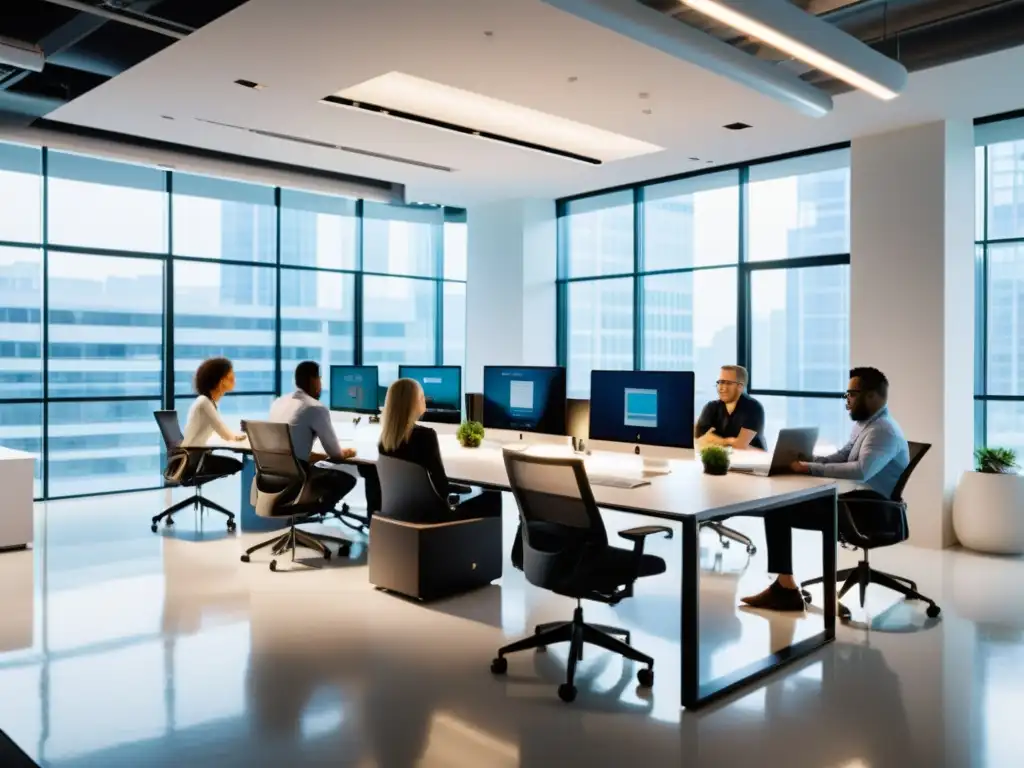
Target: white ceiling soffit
x,y
810,39
657,30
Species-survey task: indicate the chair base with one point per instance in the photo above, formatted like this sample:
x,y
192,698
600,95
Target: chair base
x,y
294,538
577,633
725,533
863,574
358,523
196,501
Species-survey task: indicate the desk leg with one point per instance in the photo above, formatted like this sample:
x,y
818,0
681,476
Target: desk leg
x,y
694,693
690,635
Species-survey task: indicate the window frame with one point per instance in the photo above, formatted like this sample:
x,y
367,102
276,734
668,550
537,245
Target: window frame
x,y
744,266
168,397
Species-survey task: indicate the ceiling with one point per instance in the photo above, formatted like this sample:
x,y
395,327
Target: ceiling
x,y
535,56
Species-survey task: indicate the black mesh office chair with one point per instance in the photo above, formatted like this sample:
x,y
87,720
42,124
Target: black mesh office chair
x,y
185,469
283,489
868,523
566,551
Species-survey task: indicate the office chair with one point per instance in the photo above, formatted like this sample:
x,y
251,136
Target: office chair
x,y
868,523
422,547
725,533
283,489
566,551
185,469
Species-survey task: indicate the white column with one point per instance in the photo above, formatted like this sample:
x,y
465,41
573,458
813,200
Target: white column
x,y
912,299
510,286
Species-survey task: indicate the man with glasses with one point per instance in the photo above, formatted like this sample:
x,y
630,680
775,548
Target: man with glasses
x,y
875,456
734,419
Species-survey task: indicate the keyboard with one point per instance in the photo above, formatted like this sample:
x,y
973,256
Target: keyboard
x,y
616,481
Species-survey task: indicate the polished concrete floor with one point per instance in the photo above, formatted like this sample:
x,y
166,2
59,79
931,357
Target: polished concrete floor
x,y
120,647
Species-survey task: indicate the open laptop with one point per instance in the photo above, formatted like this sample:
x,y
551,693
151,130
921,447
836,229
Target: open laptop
x,y
792,445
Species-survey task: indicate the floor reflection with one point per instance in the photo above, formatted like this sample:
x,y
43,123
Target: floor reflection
x,y
121,648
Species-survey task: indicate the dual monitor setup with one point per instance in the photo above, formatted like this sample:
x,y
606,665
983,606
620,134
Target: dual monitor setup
x,y
652,408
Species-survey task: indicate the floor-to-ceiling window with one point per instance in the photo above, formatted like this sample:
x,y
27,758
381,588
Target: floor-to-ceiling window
x,y
999,219
117,280
746,265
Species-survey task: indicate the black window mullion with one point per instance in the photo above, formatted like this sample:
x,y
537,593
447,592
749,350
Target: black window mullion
x,y
438,228
638,283
45,447
168,324
357,320
981,314
743,313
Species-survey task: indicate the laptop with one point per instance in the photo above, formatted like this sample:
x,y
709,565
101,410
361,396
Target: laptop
x,y
792,445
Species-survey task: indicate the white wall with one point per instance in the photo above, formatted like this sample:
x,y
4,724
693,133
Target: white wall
x,y
510,286
912,299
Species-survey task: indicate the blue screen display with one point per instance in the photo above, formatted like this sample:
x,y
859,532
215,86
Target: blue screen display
x,y
646,407
525,399
442,384
354,388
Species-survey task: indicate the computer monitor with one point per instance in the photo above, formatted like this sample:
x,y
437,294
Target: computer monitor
x,y
642,407
354,388
525,399
442,384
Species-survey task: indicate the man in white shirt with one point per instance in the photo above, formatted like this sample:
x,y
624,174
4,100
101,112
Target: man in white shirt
x,y
309,420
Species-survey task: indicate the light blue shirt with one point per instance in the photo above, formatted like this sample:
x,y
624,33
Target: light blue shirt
x,y
308,419
876,455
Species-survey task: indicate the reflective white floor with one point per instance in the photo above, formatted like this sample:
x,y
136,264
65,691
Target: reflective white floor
x,y
119,647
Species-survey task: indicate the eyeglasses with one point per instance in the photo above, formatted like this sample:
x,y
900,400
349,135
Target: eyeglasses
x,y
852,393
720,382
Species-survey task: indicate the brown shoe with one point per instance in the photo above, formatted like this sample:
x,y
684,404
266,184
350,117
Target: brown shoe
x,y
776,598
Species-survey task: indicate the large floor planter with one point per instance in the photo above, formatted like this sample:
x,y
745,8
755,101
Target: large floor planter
x,y
988,512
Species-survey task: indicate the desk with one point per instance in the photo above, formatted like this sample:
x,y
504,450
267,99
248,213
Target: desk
x,y
17,473
685,495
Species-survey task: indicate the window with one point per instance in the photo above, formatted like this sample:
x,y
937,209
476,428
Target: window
x,y
220,219
398,324
999,203
140,274
715,281
318,230
402,240
101,204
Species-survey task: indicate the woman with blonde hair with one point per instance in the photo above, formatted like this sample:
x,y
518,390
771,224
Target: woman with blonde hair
x,y
402,438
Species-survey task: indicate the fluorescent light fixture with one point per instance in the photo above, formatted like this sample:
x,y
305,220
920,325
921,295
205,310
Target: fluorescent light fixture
x,y
765,21
405,97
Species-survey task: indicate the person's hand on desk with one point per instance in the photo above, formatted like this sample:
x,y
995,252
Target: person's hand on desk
x,y
240,438
346,454
800,468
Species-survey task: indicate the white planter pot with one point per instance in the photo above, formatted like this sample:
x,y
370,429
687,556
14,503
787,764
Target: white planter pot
x,y
988,512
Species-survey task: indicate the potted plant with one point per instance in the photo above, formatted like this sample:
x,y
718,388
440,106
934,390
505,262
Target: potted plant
x,y
470,434
988,507
715,459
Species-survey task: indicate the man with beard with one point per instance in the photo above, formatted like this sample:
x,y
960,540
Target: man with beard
x,y
875,456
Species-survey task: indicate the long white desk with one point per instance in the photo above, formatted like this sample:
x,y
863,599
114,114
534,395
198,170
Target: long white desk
x,y
684,495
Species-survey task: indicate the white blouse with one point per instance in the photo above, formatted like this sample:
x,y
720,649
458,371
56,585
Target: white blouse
x,y
203,420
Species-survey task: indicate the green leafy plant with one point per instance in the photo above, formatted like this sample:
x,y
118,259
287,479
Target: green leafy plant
x,y
470,434
995,460
715,459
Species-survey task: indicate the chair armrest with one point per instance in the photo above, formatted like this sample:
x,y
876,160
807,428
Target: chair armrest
x,y
640,533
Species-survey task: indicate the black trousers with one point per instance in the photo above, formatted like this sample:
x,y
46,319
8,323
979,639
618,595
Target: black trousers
x,y
808,516
331,484
218,464
371,487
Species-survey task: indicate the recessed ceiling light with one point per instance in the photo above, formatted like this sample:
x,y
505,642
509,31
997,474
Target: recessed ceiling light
x,y
166,117
695,159
647,111
573,79
736,126
250,84
413,99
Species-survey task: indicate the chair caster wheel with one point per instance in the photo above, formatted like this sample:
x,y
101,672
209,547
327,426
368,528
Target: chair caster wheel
x,y
567,693
725,543
327,554
245,558
344,550
933,611
645,677
153,527
273,565
499,666
232,527
169,522
843,612
751,550
806,596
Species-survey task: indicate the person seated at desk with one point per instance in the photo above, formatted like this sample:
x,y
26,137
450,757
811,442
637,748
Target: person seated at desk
x,y
309,420
402,438
876,455
214,378
735,419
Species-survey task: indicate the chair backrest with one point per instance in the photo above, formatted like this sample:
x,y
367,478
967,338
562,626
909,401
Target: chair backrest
x,y
280,477
917,452
170,429
560,518
407,494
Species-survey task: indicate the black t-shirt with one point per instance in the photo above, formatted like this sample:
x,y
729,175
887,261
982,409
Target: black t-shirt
x,y
748,414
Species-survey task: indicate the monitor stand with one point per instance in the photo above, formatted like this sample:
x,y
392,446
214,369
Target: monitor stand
x,y
652,465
